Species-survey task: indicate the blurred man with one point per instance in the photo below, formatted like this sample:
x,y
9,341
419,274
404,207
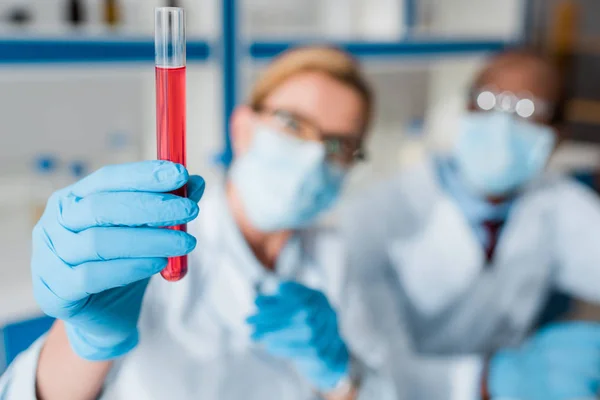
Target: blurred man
x,y
224,332
466,251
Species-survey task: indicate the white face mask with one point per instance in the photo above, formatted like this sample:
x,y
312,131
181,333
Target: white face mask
x,y
497,153
285,182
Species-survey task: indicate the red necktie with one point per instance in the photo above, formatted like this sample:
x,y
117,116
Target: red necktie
x,y
493,230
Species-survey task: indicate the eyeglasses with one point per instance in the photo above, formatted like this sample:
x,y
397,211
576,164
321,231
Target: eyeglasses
x,y
524,105
339,148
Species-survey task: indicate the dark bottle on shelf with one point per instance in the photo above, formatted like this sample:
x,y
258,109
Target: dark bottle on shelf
x,y
75,12
19,16
112,12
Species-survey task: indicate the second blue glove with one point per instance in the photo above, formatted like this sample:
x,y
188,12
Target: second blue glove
x,y
560,362
299,324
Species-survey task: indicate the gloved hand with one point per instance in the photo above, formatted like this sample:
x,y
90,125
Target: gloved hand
x,y
561,362
98,243
299,324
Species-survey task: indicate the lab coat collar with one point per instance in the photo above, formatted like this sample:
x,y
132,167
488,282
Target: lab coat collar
x,y
235,277
287,265
438,262
476,209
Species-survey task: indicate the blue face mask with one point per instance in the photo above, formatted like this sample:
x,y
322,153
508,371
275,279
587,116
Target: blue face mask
x,y
285,182
497,154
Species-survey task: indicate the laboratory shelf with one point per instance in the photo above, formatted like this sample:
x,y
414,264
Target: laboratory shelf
x,y
405,48
89,50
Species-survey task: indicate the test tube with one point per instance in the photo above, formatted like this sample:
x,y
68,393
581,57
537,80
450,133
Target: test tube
x,y
170,43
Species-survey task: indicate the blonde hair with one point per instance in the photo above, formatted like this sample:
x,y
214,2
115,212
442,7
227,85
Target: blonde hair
x,y
332,62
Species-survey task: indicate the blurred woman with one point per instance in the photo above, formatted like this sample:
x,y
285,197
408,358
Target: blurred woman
x,y
217,334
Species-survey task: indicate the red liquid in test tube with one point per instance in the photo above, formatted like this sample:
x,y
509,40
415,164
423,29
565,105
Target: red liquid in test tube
x,y
171,106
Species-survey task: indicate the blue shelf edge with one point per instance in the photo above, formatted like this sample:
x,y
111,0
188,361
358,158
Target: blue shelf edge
x,y
32,51
405,48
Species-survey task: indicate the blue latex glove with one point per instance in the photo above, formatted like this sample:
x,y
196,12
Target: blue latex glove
x,y
561,362
299,324
98,243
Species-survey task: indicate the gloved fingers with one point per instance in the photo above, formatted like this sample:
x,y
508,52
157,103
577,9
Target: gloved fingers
x,y
145,176
195,188
336,358
309,298
101,244
267,300
505,373
278,311
293,333
125,209
568,386
342,357
268,324
293,326
98,276
321,376
263,328
273,303
326,335
569,334
275,312
293,350
291,294
263,301
577,362
48,276
70,284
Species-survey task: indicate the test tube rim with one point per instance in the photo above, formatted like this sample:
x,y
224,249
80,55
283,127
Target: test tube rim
x,y
156,9
162,59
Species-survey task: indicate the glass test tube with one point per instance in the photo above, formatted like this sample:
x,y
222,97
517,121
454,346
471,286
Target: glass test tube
x,y
171,105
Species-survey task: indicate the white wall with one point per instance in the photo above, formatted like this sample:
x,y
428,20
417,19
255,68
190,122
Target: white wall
x,y
490,18
334,19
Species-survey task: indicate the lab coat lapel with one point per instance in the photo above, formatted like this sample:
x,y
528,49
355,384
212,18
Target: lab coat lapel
x,y
231,291
239,275
448,293
504,300
438,263
525,260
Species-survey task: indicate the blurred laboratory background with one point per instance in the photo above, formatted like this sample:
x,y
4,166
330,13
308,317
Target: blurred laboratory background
x,y
77,90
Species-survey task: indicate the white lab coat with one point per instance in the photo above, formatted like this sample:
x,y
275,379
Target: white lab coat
x,y
194,343
425,265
